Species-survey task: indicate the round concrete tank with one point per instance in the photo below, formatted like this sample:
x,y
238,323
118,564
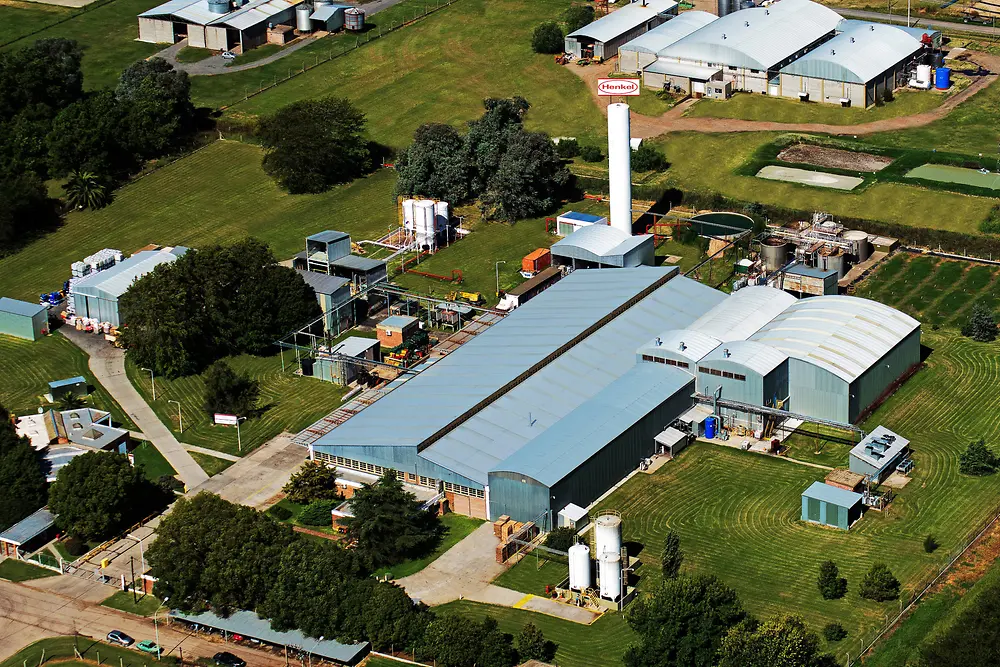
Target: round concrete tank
x,y
774,252
862,249
608,529
610,570
579,567
833,260
302,22
354,19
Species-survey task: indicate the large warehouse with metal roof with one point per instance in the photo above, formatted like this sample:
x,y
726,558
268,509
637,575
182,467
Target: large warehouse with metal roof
x,y
601,38
562,398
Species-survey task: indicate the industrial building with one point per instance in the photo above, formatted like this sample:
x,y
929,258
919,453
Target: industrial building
x,y
215,24
633,56
858,67
96,295
329,252
879,454
570,221
831,506
601,38
21,319
332,293
332,366
603,246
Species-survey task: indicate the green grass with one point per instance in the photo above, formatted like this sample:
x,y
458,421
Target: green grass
x,y
293,520
601,643
16,570
289,403
18,19
259,53
458,527
193,54
123,601
821,444
60,549
152,461
61,648
216,195
532,574
747,106
438,70
27,367
107,35
212,465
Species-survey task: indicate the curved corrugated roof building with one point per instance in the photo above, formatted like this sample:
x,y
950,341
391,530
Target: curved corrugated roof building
x,y
858,54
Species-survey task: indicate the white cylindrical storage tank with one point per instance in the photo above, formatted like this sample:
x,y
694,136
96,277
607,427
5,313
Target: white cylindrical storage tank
x,y
861,248
423,223
610,571
620,167
442,215
579,567
608,531
408,214
302,22
924,74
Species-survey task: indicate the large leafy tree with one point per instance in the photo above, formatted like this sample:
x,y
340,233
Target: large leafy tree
x,y
453,641
159,114
313,481
228,392
982,324
978,460
577,16
532,645
682,622
435,165
99,493
547,37
488,137
312,145
529,180
879,584
45,74
783,641
25,208
88,136
388,524
22,479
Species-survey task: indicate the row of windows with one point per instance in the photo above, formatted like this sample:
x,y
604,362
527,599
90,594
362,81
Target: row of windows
x,y
464,490
371,468
724,374
668,362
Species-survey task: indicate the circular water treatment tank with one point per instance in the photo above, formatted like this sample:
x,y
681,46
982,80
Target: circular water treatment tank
x,y
774,252
724,224
579,567
833,260
862,248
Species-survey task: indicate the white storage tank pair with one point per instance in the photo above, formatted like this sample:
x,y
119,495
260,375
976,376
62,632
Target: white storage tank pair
x,y
608,530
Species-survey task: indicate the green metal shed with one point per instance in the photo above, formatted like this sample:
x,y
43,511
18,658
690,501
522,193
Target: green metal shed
x,y
22,319
831,506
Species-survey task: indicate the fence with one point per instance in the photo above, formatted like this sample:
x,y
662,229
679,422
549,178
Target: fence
x,y
331,55
907,606
42,559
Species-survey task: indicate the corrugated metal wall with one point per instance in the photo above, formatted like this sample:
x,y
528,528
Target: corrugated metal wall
x,y
103,309
518,496
817,392
873,382
19,326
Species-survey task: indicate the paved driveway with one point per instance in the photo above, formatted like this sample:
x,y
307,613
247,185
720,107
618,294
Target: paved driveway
x,y
258,477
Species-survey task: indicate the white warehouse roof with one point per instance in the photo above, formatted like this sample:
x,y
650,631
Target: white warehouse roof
x,y
743,313
667,33
858,54
112,283
197,12
757,38
623,20
756,356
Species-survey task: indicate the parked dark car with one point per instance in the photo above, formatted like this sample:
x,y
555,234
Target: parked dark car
x,y
227,659
120,638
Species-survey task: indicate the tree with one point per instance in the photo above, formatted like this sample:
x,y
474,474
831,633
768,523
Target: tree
x,y
591,153
561,539
388,524
568,148
312,145
682,622
99,493
831,585
982,324
159,114
386,616
489,136
228,392
532,645
530,179
85,190
88,136
672,556
930,544
834,632
313,481
25,208
547,37
46,74
647,158
978,460
452,641
318,513
778,642
879,584
577,16
22,479
497,649
972,636
435,165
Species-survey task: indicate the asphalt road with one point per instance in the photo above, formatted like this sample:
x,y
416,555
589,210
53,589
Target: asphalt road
x,y
900,19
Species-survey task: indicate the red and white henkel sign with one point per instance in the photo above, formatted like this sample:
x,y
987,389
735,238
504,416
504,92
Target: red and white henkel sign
x,y
625,87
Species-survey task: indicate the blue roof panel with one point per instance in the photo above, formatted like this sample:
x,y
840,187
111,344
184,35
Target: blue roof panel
x,y
29,527
582,217
22,308
55,384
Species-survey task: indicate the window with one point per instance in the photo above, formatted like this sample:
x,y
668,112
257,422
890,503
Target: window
x,y
464,490
732,68
724,374
647,357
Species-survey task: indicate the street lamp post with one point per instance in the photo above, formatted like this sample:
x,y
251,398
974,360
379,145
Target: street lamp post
x,y
152,381
156,628
497,267
180,418
239,440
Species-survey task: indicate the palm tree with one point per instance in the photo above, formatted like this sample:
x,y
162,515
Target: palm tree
x,y
85,190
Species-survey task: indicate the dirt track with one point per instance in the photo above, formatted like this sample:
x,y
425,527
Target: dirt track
x,y
674,120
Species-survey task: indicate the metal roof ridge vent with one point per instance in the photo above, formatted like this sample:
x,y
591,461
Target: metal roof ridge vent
x,y
726,353
682,346
565,347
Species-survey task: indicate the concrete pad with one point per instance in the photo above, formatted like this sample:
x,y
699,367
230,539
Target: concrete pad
x,y
805,177
465,570
257,478
76,588
896,481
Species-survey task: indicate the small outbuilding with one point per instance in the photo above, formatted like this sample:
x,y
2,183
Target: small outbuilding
x,y
878,454
28,534
601,38
395,329
21,319
810,280
603,246
332,293
333,367
831,506
329,252
74,386
327,16
570,221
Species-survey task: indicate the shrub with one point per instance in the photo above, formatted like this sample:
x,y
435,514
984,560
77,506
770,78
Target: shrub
x,y
280,513
577,16
647,158
831,585
591,153
169,483
74,547
561,539
568,148
547,38
930,544
978,460
318,513
982,324
834,632
879,584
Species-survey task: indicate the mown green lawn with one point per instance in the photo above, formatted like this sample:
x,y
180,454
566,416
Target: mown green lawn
x,y
27,367
212,465
438,70
288,402
17,570
152,461
107,35
125,601
192,54
22,18
62,648
536,571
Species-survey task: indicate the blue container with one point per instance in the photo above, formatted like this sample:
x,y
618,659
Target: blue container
x,y
710,428
942,78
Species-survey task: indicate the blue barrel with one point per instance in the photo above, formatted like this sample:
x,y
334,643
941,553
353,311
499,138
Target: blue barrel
x,y
710,428
942,78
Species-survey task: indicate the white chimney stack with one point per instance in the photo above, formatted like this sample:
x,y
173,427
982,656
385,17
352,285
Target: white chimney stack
x,y
620,167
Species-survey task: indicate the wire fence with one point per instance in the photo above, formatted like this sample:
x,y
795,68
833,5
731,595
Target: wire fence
x,y
346,47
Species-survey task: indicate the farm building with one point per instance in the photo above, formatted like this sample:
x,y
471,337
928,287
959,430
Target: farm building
x,y
602,246
328,16
751,46
96,295
857,67
22,319
633,56
831,506
215,24
602,38
877,456
332,293
329,252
